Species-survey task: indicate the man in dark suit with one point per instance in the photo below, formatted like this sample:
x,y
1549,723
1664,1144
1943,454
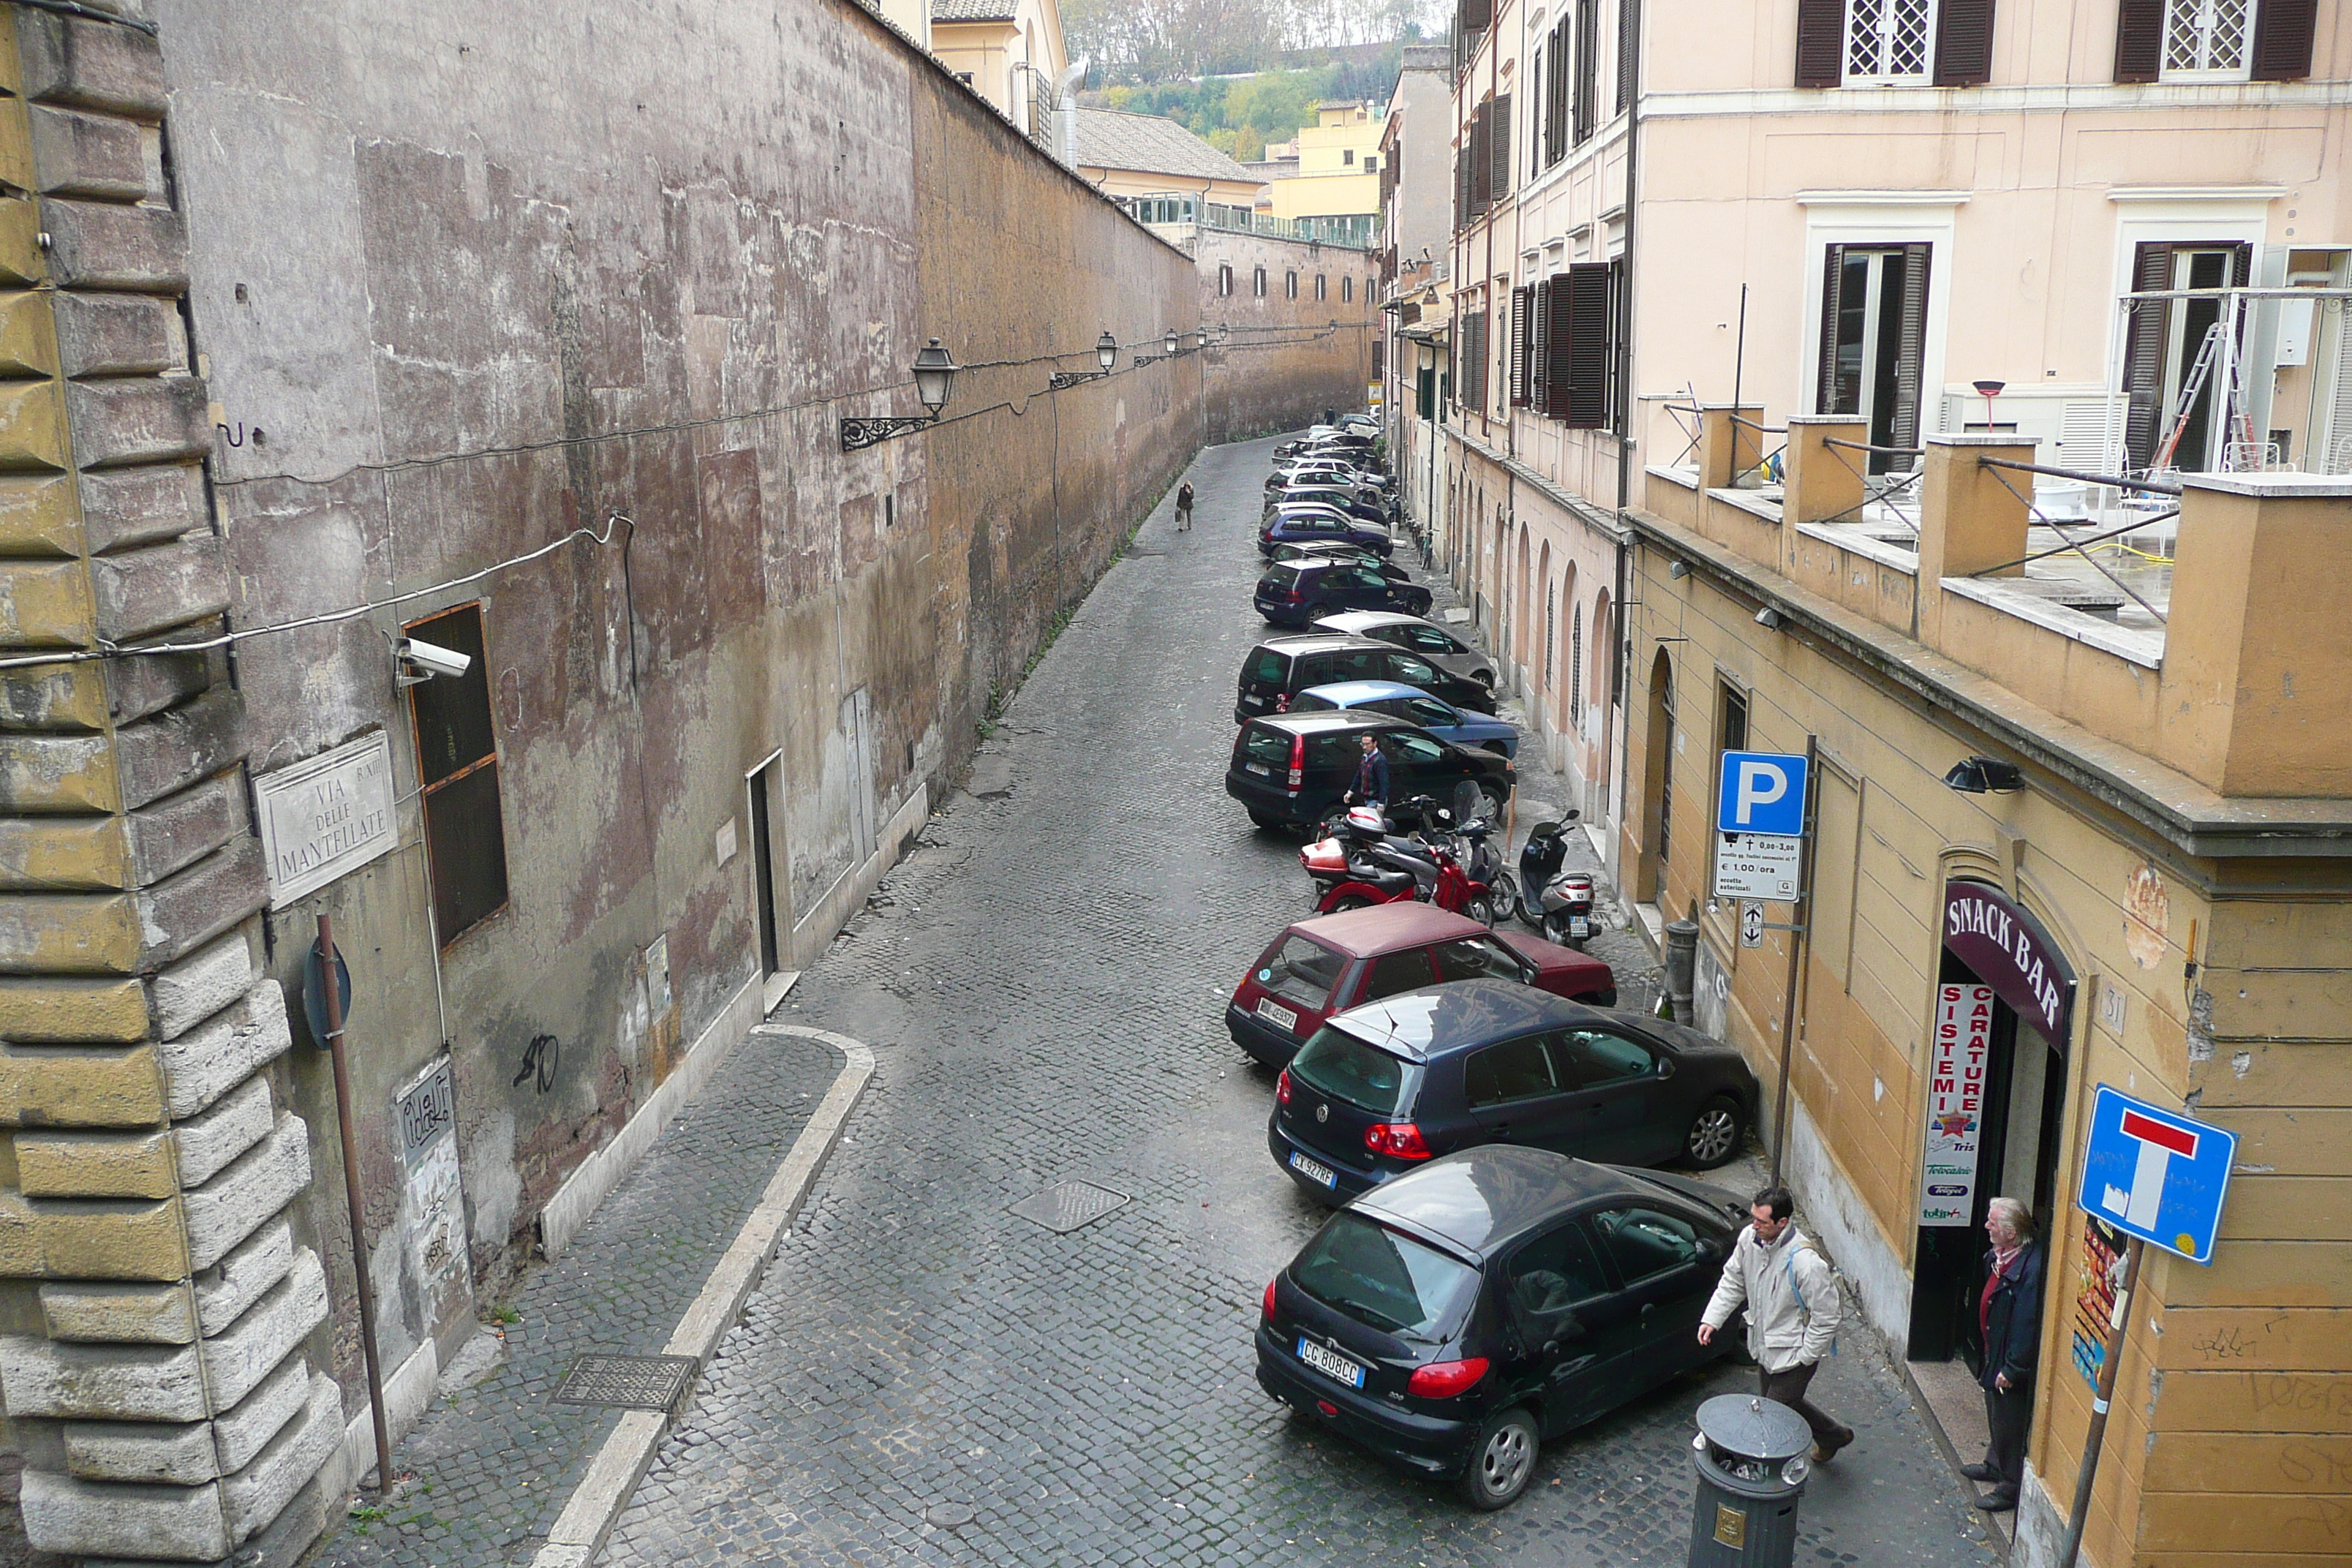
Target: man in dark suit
x,y
2008,1311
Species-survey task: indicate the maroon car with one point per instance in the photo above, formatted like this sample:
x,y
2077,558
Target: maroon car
x,y
1325,966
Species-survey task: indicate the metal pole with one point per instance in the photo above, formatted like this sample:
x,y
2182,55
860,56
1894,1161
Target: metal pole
x,y
334,996
2091,1439
1800,929
1739,363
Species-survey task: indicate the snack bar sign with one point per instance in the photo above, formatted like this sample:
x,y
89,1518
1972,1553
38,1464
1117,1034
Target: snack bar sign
x,y
1955,1091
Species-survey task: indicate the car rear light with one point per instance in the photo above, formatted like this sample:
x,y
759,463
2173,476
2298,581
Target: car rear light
x,y
1269,1308
1297,749
1293,596
1397,1139
1282,1089
1443,1379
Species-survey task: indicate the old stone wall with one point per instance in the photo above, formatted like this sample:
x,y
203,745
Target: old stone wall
x,y
1280,360
160,1287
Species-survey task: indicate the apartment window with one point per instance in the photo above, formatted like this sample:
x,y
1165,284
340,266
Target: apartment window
x,y
1261,282
1347,290
1734,723
1318,286
2226,40
1577,326
1629,57
1473,361
1290,285
1553,65
1371,165
2168,403
1347,156
1942,43
457,768
1874,336
1224,282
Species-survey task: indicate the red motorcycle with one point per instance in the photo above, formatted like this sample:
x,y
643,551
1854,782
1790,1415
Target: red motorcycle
x,y
1364,865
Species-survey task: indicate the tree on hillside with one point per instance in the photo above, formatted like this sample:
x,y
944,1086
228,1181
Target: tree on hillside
x,y
1167,40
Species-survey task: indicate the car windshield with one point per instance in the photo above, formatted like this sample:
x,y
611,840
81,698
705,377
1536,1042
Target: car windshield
x,y
1376,1276
1343,1066
1299,970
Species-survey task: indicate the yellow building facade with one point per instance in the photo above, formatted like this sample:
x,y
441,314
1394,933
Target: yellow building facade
x,y
2163,904
1338,167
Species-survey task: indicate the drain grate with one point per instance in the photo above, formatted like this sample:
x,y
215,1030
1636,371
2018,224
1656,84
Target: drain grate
x,y
1066,1206
627,1381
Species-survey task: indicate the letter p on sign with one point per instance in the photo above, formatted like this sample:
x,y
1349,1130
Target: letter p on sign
x,y
1761,792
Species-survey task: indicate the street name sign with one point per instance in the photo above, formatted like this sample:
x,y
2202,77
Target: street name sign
x,y
2156,1174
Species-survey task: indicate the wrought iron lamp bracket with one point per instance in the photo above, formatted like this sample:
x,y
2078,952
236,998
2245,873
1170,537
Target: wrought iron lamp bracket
x,y
860,432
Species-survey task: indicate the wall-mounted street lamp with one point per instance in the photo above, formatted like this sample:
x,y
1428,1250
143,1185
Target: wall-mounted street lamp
x,y
1976,776
935,372
1205,337
1170,346
1106,355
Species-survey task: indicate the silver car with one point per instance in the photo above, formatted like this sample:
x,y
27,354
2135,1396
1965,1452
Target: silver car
x,y
1427,638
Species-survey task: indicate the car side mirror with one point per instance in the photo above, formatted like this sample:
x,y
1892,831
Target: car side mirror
x,y
1666,1066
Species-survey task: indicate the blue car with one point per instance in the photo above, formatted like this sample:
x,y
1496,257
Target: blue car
x,y
1304,524
1414,706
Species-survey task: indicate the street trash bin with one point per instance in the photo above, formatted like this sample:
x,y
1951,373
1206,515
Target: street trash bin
x,y
1750,1459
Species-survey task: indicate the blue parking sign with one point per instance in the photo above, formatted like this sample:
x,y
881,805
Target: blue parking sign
x,y
2156,1174
1761,792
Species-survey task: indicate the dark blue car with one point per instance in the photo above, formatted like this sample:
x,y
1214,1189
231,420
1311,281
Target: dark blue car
x,y
1414,706
1299,525
1294,593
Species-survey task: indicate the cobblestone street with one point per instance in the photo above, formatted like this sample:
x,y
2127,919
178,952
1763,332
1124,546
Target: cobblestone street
x,y
923,1376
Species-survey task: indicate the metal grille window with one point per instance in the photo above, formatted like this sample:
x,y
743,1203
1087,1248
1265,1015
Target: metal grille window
x,y
1261,282
458,767
2207,37
1889,40
1576,669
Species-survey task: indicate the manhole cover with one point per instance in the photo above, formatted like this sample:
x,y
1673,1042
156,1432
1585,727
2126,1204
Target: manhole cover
x,y
627,1381
1069,1206
947,1516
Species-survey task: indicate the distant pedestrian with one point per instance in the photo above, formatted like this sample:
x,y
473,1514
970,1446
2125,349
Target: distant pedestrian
x,y
1794,1309
2008,1315
1184,507
1372,777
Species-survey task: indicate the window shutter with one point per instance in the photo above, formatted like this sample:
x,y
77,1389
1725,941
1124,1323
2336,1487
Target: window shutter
x,y
1629,54
1556,52
1910,352
1558,372
1588,68
2282,35
2139,39
1825,389
1499,133
1482,161
1821,42
1539,350
1519,348
1963,42
1476,15
1588,349
2144,333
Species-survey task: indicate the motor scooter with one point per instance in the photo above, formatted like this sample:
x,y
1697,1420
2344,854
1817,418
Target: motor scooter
x,y
1390,870
1567,908
1540,861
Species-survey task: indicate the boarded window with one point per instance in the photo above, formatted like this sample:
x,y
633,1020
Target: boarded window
x,y
458,765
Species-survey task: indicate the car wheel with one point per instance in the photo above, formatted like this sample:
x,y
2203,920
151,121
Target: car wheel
x,y
1714,1133
1497,801
1484,678
1501,1462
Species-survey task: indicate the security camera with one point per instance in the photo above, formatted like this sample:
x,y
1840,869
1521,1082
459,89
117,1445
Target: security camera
x,y
433,659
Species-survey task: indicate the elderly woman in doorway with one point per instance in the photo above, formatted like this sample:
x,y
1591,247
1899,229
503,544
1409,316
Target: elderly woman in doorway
x,y
2009,1312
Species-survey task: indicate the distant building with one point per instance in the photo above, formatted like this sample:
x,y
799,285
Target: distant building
x,y
1338,183
1415,171
1008,51
1150,157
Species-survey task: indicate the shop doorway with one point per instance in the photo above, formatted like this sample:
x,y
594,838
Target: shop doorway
x,y
1997,1117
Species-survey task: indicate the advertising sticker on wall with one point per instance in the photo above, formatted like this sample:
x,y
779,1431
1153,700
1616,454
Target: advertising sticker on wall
x,y
2100,1275
1956,1087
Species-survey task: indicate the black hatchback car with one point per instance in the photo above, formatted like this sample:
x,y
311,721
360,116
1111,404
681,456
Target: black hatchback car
x,y
1382,1088
1293,770
1455,1318
1281,668
1297,592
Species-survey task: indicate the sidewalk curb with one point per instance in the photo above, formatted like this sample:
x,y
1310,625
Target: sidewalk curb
x,y
579,1534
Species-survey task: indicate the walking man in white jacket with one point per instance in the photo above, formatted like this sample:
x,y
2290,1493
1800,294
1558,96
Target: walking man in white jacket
x,y
1794,1308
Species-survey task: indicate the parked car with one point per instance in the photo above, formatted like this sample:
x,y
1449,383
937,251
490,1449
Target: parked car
x,y
1281,668
1329,471
1297,524
1294,772
1385,1086
1321,966
1339,499
1457,1318
1414,706
1343,549
1294,593
1426,639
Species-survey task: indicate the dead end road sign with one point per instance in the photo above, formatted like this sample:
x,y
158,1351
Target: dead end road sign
x,y
2156,1174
